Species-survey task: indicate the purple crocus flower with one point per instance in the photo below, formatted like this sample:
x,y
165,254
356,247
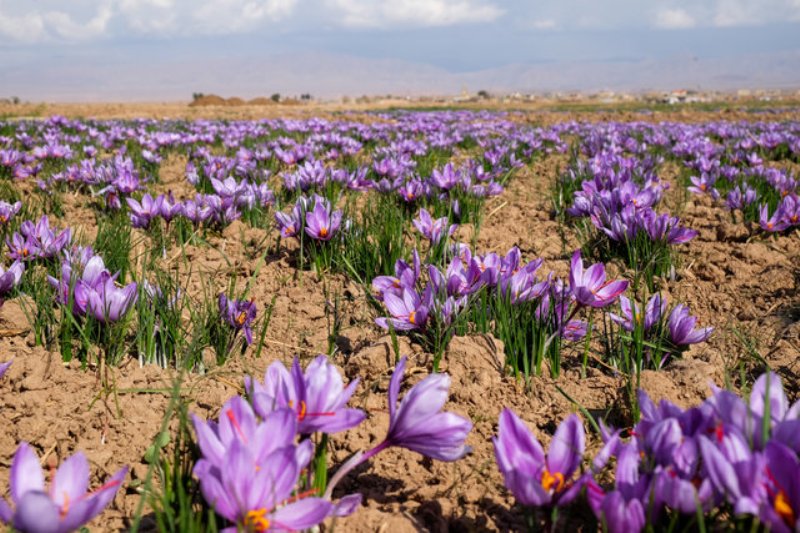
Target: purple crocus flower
x,y
406,276
590,286
631,314
65,506
322,223
42,240
4,367
105,301
239,314
535,479
169,208
781,510
7,211
736,473
433,230
318,397
145,211
623,508
772,223
408,311
290,225
257,494
10,278
681,328
418,423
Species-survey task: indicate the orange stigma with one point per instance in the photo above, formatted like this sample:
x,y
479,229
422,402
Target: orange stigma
x,y
784,509
412,316
256,521
552,482
323,232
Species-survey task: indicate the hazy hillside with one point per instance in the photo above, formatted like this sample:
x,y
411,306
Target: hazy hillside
x,y
329,75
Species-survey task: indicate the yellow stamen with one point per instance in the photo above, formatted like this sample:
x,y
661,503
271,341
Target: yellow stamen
x,y
256,521
552,482
241,318
412,316
323,232
783,508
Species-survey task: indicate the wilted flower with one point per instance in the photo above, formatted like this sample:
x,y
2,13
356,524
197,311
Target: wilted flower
x,y
4,367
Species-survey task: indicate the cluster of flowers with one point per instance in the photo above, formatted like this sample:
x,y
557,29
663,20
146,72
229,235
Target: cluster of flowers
x,y
37,241
448,293
218,209
618,206
90,288
314,216
253,456
728,455
728,161
446,183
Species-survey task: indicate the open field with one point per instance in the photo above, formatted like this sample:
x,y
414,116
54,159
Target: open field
x,y
311,222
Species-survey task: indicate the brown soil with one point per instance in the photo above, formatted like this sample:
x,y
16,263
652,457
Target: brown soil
x,y
744,285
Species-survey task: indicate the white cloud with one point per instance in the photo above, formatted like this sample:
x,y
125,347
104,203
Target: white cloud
x,y
544,24
674,19
230,16
55,24
381,13
27,28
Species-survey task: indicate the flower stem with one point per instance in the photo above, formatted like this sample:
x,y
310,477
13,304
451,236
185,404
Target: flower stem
x,y
352,463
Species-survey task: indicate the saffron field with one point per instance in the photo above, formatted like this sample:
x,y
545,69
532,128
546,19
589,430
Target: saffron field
x,y
401,320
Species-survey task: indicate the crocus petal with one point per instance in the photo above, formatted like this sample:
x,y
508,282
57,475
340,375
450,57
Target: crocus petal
x,y
394,386
71,480
567,446
26,473
36,513
301,515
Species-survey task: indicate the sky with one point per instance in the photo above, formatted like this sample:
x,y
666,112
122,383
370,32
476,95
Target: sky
x,y
104,49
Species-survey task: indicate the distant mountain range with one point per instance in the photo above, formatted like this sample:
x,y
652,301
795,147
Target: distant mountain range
x,y
329,76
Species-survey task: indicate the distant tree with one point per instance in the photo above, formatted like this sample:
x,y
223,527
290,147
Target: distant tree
x,y
483,94
276,97
15,100
305,97
197,96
